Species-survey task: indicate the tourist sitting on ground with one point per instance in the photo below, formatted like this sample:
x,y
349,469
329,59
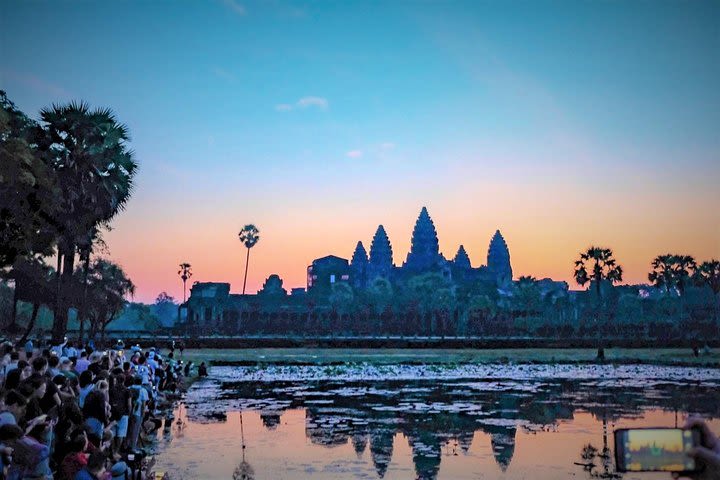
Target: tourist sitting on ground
x,y
31,457
95,468
9,434
76,458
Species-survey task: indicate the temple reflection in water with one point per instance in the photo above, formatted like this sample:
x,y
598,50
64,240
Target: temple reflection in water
x,y
441,418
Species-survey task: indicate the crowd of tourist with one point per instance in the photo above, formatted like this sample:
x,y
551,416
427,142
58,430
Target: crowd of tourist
x,y
70,412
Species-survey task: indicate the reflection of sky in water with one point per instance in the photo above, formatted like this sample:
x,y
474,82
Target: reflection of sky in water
x,y
484,427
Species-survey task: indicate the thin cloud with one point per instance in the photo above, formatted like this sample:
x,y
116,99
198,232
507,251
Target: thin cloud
x,y
235,7
319,102
35,83
224,74
304,102
354,153
387,146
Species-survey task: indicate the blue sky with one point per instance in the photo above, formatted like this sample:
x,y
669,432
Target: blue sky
x,y
369,110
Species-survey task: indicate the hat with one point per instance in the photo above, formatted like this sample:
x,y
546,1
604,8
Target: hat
x,y
118,470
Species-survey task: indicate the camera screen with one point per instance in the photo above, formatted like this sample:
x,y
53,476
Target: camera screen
x,y
662,449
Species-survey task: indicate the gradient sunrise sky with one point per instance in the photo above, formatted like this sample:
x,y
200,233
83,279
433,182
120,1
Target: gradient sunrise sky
x,y
563,124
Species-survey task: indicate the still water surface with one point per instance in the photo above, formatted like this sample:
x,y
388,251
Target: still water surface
x,y
405,422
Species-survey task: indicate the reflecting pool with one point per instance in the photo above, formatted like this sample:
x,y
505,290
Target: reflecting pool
x,y
414,421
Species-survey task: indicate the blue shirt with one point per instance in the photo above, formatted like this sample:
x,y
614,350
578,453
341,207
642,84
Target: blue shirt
x,y
85,474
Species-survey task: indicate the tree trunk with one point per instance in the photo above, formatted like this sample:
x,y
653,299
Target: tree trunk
x,y
93,329
58,289
31,324
83,306
13,316
61,320
247,261
104,326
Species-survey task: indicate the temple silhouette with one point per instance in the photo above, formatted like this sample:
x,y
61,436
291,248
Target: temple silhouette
x,y
363,270
211,306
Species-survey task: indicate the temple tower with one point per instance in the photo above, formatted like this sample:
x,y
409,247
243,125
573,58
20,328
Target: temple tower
x,y
424,248
381,257
462,260
359,267
498,260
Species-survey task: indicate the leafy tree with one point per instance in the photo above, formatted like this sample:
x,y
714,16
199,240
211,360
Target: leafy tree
x,y
165,307
185,273
249,236
603,267
94,170
27,190
108,285
434,295
527,296
33,284
341,297
164,298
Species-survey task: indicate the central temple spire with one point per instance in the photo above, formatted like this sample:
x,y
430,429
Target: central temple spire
x,y
424,249
498,259
381,262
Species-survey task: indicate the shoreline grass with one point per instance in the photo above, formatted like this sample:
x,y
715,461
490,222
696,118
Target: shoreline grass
x,y
325,356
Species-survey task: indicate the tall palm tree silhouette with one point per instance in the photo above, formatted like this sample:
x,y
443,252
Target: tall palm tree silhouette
x,y
249,236
185,273
603,266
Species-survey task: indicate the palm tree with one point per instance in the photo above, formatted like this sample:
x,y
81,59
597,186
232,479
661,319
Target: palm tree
x,y
249,236
94,170
604,268
185,273
672,272
662,275
708,273
685,266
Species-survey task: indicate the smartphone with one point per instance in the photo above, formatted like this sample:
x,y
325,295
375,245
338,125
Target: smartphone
x,y
656,450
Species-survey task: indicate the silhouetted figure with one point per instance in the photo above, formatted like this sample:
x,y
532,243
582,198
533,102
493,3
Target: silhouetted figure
x,y
696,351
601,354
202,370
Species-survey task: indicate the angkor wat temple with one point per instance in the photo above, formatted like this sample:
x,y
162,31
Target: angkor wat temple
x,y
211,306
424,257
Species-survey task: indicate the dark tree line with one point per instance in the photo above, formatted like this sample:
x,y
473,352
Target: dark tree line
x,y
431,305
62,181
